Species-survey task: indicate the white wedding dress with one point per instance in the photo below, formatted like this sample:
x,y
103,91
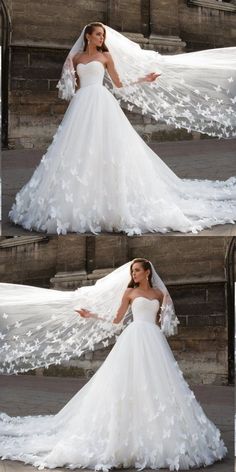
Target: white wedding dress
x,y
136,411
99,175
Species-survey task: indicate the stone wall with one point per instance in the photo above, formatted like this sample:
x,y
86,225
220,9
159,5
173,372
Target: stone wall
x,y
42,33
207,24
194,269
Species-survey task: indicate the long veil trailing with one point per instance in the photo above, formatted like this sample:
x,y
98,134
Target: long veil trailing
x,y
138,394
39,327
196,91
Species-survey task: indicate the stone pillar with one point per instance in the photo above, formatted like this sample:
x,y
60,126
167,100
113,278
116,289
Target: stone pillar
x,y
125,16
164,17
130,18
114,14
145,17
164,23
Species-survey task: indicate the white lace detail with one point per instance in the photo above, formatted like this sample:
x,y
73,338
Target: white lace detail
x,y
196,91
138,394
39,327
58,197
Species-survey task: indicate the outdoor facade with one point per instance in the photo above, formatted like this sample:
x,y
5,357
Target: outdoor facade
x,y
34,51
196,271
189,192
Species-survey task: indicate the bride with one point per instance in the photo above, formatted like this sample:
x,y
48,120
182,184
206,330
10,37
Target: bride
x,y
98,174
137,410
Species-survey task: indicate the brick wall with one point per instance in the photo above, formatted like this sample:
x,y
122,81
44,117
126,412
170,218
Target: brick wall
x,y
208,24
35,110
42,33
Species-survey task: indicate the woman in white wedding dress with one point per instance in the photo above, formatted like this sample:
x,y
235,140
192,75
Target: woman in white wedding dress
x,y
98,174
137,410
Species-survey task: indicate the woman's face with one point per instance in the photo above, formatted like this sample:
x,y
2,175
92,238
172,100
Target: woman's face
x,y
138,273
96,38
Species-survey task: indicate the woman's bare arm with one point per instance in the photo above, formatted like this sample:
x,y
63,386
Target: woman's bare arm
x,y
160,297
123,306
120,313
116,79
88,314
75,61
112,70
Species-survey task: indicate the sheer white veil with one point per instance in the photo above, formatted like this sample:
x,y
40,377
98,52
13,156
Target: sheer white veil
x,y
196,91
39,327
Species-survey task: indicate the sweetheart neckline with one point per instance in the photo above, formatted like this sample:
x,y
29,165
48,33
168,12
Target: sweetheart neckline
x,y
90,62
145,298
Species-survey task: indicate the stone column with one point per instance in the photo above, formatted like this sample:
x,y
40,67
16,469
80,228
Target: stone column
x,y
131,18
125,16
114,14
164,22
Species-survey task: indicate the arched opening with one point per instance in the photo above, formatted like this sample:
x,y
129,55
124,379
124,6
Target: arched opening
x,y
6,32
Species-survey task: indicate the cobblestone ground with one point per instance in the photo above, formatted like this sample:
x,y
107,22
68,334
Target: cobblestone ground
x,y
29,395
199,159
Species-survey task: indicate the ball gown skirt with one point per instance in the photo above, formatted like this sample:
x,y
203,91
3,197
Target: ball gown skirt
x,y
99,175
136,411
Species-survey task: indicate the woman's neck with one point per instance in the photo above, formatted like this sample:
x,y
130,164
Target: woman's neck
x,y
144,285
91,50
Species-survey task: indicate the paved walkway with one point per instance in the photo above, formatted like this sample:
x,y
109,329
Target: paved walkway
x,y
199,159
22,395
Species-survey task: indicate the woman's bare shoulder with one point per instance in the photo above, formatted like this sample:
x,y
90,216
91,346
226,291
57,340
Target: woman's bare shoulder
x,y
77,57
107,55
158,293
128,292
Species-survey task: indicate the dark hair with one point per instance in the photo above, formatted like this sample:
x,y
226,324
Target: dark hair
x,y
89,29
146,266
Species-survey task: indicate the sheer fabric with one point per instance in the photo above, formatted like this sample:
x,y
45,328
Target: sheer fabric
x,y
98,175
39,326
196,91
137,411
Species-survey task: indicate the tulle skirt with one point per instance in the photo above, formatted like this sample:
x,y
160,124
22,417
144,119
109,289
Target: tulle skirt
x,y
136,411
99,175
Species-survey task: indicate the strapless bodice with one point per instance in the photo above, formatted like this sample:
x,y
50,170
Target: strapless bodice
x,y
145,309
91,73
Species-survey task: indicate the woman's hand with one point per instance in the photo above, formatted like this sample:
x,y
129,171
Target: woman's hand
x,y
85,313
150,77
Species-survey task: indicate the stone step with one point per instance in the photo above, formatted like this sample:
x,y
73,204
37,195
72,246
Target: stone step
x,y
161,43
75,279
21,240
151,131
